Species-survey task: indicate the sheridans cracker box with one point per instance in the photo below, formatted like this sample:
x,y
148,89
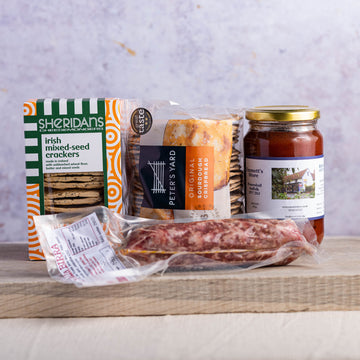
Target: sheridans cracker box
x,y
73,158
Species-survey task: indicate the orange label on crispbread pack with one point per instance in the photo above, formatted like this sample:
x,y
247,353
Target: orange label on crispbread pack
x,y
199,178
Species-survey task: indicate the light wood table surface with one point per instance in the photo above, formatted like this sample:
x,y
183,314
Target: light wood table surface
x,y
26,291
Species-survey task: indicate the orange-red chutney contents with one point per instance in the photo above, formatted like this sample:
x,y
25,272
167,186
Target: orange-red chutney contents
x,y
286,144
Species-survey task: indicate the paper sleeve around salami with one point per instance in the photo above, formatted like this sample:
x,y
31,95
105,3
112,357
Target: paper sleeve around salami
x,y
231,241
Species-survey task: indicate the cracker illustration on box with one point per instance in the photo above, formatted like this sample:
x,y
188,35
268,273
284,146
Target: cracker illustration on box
x,y
73,158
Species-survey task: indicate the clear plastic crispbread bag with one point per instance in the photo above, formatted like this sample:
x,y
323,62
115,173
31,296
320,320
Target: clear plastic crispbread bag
x,y
182,162
98,247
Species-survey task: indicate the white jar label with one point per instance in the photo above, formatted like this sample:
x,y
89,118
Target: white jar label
x,y
286,187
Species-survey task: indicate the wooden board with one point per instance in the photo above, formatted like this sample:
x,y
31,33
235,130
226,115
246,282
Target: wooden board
x,y
27,291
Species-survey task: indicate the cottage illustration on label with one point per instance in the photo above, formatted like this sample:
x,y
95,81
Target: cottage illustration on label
x,y
293,183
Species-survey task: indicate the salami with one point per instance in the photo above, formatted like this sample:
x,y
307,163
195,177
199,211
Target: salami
x,y
234,241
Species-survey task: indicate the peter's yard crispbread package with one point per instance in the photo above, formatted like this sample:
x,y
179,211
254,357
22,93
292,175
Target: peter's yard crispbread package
x,y
183,163
73,158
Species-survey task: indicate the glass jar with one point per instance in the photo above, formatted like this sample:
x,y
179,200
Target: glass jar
x,y
284,164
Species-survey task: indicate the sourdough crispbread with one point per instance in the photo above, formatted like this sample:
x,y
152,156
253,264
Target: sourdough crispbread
x,y
202,132
157,214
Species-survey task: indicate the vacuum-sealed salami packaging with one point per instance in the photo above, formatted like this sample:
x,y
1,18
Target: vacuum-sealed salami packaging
x,y
182,162
96,246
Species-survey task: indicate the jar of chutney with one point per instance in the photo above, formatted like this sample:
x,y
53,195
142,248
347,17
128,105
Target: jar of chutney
x,y
284,164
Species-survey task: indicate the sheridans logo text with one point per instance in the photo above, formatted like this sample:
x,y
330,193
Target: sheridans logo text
x,y
71,124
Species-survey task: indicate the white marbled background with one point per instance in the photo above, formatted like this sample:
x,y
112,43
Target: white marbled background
x,y
237,52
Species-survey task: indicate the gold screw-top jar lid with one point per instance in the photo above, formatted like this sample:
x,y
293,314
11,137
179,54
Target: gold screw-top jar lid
x,y
282,113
